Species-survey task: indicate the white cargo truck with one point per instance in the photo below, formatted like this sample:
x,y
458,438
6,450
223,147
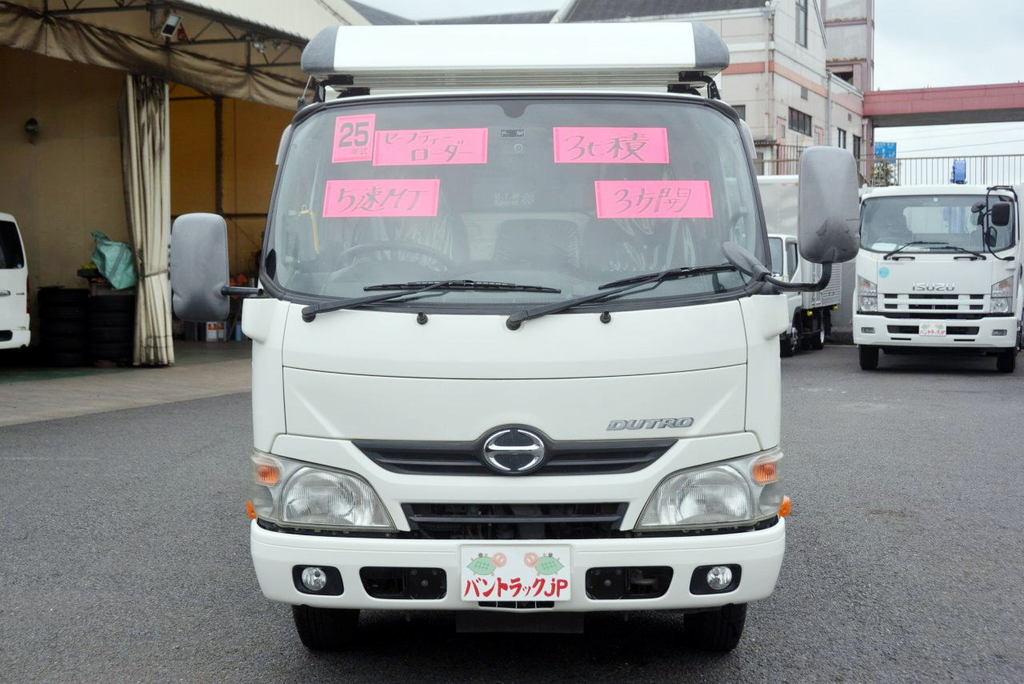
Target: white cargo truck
x,y
515,353
939,269
14,315
810,313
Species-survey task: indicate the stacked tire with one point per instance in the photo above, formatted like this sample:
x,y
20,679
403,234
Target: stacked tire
x,y
64,327
111,327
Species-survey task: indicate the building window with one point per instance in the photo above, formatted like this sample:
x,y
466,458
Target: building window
x,y
841,138
803,93
741,110
799,122
856,146
801,22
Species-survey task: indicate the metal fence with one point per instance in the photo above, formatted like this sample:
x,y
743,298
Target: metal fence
x,y
994,169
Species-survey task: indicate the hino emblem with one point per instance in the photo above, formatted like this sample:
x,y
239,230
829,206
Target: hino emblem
x,y
650,423
514,451
933,287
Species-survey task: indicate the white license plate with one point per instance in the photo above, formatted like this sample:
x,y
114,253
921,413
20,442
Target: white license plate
x,y
932,330
515,573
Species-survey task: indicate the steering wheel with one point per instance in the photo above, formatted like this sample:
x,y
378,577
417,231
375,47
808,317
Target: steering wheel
x,y
396,246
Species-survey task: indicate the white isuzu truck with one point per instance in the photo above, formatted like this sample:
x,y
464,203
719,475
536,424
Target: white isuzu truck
x,y
515,353
809,312
939,269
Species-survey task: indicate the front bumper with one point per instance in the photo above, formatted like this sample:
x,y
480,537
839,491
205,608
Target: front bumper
x,y
883,331
759,553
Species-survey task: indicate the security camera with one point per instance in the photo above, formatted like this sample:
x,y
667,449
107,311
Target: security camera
x,y
170,26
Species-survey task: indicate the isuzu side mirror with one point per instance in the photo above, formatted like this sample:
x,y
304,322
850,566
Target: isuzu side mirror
x,y
999,215
829,209
199,267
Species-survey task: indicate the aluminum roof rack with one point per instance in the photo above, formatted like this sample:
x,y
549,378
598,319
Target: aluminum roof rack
x,y
644,55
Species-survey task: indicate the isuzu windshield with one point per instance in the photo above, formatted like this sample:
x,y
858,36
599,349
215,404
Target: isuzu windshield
x,y
931,223
562,194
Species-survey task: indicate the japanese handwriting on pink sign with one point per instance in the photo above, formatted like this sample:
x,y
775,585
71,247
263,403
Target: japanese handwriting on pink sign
x,y
600,145
398,197
498,588
430,146
353,138
653,199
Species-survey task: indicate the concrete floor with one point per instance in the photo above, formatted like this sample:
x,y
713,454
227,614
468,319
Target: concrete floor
x,y
30,392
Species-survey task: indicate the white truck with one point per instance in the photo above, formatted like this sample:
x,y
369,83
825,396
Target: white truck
x,y
14,315
810,313
939,269
514,349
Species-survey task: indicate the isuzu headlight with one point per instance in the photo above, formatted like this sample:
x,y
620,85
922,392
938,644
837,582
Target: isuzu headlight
x,y
867,295
1002,296
738,491
299,494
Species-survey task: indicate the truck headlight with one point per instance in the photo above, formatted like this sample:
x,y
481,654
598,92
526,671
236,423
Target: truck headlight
x,y
300,494
738,491
1002,296
867,295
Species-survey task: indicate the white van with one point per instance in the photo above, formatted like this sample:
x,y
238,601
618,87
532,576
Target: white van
x,y
14,330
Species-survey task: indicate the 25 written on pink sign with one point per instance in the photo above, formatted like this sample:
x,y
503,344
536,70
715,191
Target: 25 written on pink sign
x,y
654,199
430,146
603,145
396,197
353,138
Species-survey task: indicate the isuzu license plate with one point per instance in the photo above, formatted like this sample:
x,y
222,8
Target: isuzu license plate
x,y
932,330
515,573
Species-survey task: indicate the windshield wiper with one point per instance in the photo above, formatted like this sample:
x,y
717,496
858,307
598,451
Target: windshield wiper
x,y
958,248
622,287
411,289
909,244
464,285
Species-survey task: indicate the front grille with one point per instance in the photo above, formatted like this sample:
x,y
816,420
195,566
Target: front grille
x,y
515,521
565,458
950,330
931,305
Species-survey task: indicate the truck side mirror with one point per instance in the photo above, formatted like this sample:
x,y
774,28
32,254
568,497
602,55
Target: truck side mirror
x,y
1000,214
829,210
199,267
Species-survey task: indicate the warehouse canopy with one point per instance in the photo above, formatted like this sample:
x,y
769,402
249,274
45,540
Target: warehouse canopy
x,y
245,49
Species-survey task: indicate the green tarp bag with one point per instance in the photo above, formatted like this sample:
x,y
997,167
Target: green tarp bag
x,y
114,261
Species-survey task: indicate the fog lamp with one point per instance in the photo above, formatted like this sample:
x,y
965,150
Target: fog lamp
x,y
999,332
315,579
868,331
719,577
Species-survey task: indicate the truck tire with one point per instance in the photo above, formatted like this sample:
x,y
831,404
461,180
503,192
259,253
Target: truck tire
x,y
818,339
716,630
1006,361
325,629
789,342
868,357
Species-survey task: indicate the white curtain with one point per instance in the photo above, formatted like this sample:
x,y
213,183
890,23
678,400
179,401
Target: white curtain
x,y
146,154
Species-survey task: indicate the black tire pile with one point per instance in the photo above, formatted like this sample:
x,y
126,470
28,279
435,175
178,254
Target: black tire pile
x,y
78,330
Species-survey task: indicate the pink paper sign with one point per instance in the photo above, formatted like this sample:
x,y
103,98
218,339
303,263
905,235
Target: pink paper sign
x,y
353,138
395,197
419,147
653,199
597,145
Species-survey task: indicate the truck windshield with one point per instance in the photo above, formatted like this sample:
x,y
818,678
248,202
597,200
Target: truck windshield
x,y
556,193
931,223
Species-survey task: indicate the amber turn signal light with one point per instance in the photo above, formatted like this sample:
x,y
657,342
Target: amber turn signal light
x,y
267,474
250,508
766,472
786,507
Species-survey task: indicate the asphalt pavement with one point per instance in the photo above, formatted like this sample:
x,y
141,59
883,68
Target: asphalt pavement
x,y
125,552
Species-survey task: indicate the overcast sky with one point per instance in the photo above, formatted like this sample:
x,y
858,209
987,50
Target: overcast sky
x,y
918,44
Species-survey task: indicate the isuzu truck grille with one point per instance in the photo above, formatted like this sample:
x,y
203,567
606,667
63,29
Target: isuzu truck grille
x,y
563,458
515,521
